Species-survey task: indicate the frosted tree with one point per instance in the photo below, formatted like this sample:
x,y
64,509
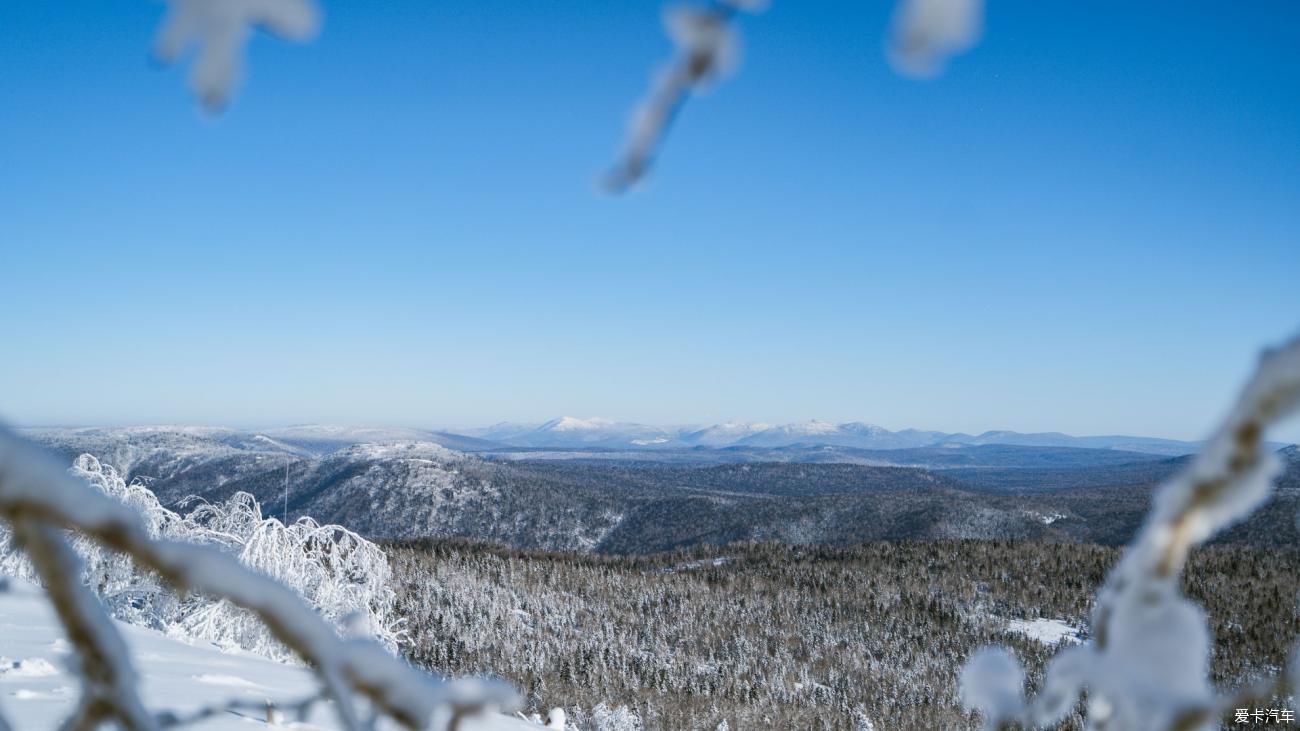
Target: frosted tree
x,y
605,718
340,574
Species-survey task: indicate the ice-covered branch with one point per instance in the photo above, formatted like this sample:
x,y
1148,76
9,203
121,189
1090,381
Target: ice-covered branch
x,y
1147,667
34,491
708,48
220,29
108,680
926,33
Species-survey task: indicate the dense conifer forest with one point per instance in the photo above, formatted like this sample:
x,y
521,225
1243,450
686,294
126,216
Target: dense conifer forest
x,y
779,636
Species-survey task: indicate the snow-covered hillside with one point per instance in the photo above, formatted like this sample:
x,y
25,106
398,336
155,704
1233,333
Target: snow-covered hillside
x,y
37,691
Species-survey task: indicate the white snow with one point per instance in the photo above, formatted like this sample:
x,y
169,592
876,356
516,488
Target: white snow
x,y
36,691
570,423
418,450
32,667
809,427
1046,631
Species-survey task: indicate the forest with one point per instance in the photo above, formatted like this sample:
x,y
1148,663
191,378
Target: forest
x,y
767,635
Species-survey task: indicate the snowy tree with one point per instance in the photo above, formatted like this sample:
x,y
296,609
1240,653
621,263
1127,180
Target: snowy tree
x,y
340,574
605,718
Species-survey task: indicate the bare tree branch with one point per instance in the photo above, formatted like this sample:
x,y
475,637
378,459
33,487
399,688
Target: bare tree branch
x,y
107,677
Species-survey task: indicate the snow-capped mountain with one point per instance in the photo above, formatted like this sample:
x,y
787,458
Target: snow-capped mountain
x,y
568,431
855,434
805,432
724,434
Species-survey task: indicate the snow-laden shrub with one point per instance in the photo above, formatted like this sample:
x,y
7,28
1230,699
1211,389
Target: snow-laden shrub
x,y
340,574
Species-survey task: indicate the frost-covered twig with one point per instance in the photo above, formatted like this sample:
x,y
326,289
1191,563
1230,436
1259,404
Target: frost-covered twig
x,y
927,32
708,48
33,490
220,29
1147,667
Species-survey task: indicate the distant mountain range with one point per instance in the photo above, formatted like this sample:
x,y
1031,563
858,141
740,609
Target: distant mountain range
x,y
572,433
569,433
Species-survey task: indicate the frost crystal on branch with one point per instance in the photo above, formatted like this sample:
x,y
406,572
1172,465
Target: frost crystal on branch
x,y
220,29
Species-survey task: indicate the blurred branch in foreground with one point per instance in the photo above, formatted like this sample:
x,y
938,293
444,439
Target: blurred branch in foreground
x,y
39,500
708,49
925,34
1148,665
220,29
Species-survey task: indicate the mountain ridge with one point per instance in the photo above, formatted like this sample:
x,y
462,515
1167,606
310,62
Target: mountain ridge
x,y
573,432
626,502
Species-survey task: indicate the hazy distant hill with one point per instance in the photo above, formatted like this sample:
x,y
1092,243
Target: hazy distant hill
x,y
573,433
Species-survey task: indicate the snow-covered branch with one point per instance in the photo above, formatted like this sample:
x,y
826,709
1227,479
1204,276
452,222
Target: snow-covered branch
x,y
1147,667
108,679
220,29
928,32
708,49
925,34
37,497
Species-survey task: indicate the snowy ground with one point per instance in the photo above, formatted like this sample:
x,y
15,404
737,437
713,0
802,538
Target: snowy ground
x,y
1046,631
36,692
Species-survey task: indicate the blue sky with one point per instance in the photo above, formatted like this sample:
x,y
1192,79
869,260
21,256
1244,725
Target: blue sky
x,y
1089,224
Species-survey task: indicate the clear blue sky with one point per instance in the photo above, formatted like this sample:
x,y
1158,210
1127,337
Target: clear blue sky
x,y
1090,224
